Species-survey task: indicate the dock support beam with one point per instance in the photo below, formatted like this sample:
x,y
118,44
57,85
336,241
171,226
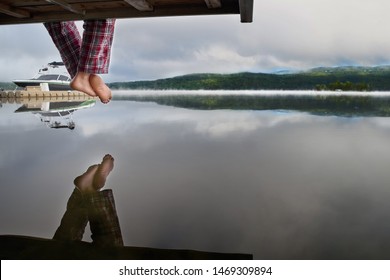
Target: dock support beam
x,y
246,10
13,12
66,6
212,4
140,5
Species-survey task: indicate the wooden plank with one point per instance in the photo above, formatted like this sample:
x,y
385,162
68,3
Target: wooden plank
x,y
141,5
246,10
58,10
213,4
14,12
86,6
66,6
117,13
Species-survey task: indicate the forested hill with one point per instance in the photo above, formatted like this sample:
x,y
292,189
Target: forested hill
x,y
338,78
322,78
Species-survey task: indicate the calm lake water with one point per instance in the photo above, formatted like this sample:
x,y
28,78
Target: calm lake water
x,y
278,184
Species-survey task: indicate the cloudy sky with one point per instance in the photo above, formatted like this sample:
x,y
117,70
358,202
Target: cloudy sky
x,y
285,34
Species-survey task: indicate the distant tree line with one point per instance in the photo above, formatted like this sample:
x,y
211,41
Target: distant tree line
x,y
337,80
7,86
344,86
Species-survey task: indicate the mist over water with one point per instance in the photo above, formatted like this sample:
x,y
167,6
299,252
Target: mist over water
x,y
279,185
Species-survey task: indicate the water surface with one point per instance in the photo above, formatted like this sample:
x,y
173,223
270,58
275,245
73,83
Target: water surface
x,y
277,184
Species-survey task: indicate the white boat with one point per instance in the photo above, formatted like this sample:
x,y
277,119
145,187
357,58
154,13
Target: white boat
x,y
54,74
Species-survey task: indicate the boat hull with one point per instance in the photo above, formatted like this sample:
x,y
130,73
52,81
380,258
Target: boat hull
x,y
52,85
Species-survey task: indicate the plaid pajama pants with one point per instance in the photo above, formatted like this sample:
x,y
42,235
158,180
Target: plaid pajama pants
x,y
89,53
99,209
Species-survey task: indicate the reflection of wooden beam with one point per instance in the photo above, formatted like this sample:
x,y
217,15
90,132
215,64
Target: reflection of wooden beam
x,y
212,4
140,5
14,247
246,10
14,12
66,6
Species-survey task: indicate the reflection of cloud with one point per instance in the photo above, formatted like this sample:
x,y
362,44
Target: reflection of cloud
x,y
381,122
224,123
278,185
223,128
215,123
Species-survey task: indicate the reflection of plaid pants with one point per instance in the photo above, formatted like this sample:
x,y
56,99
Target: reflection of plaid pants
x,y
99,209
91,53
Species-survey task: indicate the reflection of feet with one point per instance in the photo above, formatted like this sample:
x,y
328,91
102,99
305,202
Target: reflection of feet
x,y
102,172
84,182
100,88
81,82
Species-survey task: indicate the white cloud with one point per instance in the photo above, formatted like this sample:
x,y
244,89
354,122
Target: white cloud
x,y
285,34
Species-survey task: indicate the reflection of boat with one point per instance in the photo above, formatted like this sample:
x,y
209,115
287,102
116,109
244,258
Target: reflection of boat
x,y
56,114
54,74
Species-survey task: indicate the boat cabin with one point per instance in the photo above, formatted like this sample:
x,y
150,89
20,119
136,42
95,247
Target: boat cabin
x,y
38,11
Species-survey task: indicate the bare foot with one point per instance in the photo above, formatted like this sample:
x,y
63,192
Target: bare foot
x,y
102,171
84,182
100,88
81,82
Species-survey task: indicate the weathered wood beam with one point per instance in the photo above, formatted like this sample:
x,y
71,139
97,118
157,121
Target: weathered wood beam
x,y
212,4
246,10
14,12
50,13
66,6
141,5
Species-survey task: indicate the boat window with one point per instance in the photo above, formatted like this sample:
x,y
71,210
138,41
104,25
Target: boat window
x,y
47,77
63,78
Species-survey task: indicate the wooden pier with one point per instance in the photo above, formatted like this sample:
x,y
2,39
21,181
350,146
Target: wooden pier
x,y
37,11
38,93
